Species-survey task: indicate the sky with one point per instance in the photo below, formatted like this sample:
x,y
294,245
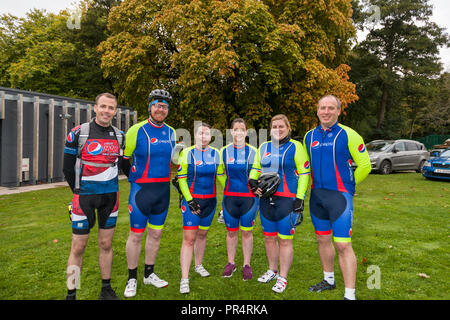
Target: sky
x,y
441,14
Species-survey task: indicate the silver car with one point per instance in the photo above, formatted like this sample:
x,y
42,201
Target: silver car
x,y
394,155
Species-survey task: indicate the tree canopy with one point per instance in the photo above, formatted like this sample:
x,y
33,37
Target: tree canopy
x,y
224,59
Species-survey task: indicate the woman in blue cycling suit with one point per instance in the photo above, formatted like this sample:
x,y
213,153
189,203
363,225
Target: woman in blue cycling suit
x,y
280,213
240,205
197,170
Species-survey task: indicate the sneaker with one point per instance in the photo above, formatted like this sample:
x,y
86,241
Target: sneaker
x,y
108,293
156,281
201,271
230,268
184,286
220,218
280,285
321,286
71,297
247,271
130,289
268,276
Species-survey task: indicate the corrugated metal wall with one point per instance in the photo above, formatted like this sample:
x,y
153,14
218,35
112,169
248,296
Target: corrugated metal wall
x,y
33,129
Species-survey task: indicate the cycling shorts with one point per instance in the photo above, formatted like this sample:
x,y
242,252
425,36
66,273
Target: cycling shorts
x,y
277,217
148,205
84,207
204,219
241,210
332,213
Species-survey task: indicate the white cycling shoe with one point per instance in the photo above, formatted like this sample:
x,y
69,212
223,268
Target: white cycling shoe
x,y
130,289
156,281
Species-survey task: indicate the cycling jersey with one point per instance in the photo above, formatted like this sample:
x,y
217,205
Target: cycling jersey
x,y
100,156
240,205
197,172
331,153
236,163
292,165
151,148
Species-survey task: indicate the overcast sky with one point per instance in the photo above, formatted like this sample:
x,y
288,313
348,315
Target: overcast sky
x,y
441,14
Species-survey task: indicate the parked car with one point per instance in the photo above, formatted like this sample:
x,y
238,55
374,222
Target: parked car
x,y
438,167
395,155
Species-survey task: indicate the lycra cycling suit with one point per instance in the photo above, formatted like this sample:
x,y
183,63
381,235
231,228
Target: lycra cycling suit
x,y
331,153
97,186
240,205
197,172
150,148
291,163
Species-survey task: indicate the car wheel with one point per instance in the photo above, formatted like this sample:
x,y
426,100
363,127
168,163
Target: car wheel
x,y
420,169
385,167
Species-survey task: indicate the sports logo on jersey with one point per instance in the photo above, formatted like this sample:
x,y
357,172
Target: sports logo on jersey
x,y
130,208
179,168
231,159
70,137
362,148
199,163
183,208
315,144
267,154
153,140
94,148
133,169
306,165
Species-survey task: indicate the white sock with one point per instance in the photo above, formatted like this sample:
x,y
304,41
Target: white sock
x,y
350,294
329,277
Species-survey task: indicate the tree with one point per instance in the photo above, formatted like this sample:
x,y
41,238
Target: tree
x,y
40,53
223,59
396,66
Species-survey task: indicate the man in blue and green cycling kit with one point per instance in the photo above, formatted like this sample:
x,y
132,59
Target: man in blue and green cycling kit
x,y
332,147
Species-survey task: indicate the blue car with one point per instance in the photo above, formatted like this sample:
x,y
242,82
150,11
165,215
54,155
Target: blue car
x,y
438,167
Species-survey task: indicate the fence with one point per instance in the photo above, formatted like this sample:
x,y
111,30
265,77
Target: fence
x,y
431,140
33,129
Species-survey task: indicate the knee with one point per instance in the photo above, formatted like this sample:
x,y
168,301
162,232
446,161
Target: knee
x,y
285,243
232,234
344,247
105,245
154,235
188,241
135,238
246,235
78,248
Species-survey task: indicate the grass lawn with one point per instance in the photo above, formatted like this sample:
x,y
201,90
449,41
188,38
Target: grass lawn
x,y
400,228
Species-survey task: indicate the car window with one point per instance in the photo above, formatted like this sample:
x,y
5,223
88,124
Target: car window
x,y
399,146
378,145
411,146
445,154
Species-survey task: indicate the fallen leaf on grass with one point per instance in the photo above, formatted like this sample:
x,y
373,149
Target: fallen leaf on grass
x,y
423,275
386,198
55,240
364,260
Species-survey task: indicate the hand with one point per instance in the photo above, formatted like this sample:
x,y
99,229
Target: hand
x,y
194,206
298,207
254,187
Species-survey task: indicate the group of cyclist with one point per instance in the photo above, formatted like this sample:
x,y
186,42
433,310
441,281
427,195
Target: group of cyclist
x,y
272,179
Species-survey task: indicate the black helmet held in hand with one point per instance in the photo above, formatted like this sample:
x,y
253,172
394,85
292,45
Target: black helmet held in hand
x,y
268,183
159,94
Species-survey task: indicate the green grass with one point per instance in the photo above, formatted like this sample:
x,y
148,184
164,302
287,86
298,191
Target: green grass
x,y
401,225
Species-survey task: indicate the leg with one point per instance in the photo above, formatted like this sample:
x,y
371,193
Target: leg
x,y
272,251
286,255
247,246
187,249
326,252
152,245
105,258
133,249
200,245
347,263
232,242
75,261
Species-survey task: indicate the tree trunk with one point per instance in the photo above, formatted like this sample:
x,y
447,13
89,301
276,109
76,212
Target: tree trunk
x,y
382,110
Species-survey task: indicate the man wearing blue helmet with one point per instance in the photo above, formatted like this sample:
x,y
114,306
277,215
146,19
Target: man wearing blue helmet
x,y
147,157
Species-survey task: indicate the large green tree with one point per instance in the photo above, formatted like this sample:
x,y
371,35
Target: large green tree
x,y
396,67
222,59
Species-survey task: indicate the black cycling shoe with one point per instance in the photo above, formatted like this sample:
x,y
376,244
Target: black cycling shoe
x,y
108,294
321,286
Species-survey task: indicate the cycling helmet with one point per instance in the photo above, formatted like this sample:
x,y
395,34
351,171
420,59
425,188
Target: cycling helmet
x,y
268,183
159,94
